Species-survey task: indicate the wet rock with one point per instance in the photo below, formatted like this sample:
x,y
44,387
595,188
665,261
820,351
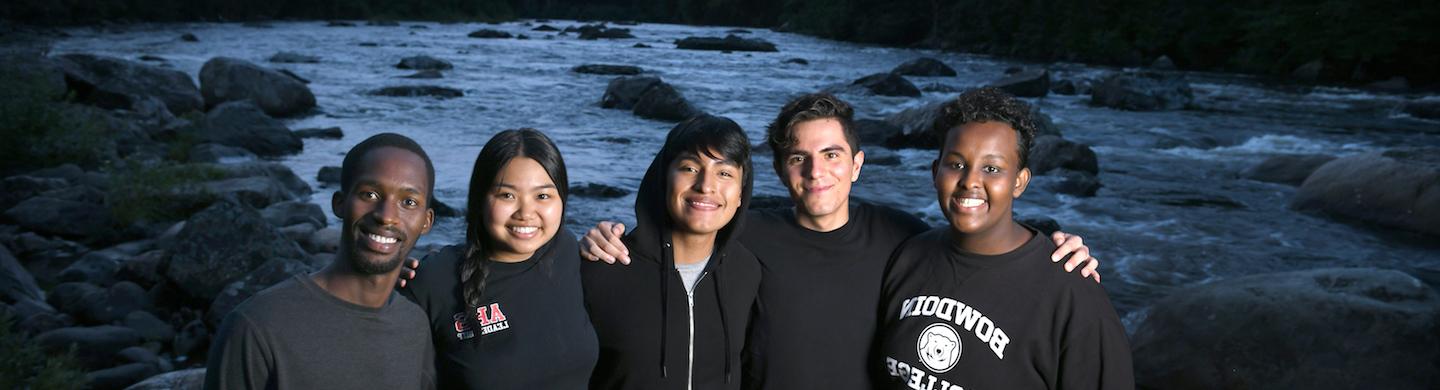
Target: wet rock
x,y
488,33
1163,63
1310,71
67,218
325,240
1043,124
881,157
17,188
730,42
328,175
149,327
339,23
875,132
16,283
545,27
888,84
298,232
1289,169
1045,225
1393,84
368,44
192,340
1428,109
1069,182
607,69
96,267
941,88
1027,83
623,92
640,46
119,377
597,190
771,202
290,57
268,274
663,102
915,124
322,133
445,210
244,125
44,322
1050,152
225,79
188,37
216,153
1070,87
94,346
1387,189
924,66
426,75
595,31
293,212
419,91
424,63
74,298
143,269
152,58
222,244
112,83
1142,91
192,379
1325,328
796,61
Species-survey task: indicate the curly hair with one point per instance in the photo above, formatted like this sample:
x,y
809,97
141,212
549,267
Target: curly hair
x,y
989,104
781,132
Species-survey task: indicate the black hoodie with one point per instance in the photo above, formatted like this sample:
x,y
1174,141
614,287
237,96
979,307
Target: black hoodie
x,y
643,315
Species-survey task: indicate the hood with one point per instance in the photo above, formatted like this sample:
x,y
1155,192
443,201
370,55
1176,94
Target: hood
x,y
652,220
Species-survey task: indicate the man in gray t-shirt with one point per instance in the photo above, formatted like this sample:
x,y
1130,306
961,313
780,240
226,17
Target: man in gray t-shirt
x,y
344,327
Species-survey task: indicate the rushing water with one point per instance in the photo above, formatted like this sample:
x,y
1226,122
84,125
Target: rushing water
x,y
1172,211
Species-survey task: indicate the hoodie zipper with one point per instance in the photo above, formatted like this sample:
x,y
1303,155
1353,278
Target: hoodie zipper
x,y
690,298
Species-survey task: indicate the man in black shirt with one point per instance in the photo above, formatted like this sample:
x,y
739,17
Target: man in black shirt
x,y
822,261
343,327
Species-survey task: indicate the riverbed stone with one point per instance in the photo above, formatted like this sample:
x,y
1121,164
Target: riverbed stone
x,y
623,92
1143,91
1026,83
293,212
1051,152
663,102
424,63
333,132
1326,328
226,79
597,190
48,215
16,283
887,84
95,347
290,57
119,377
1398,189
608,69
1289,169
924,66
915,124
730,42
489,33
191,379
245,125
111,82
598,31
419,91
150,327
222,244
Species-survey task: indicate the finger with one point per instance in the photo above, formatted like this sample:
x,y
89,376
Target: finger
x,y
412,263
616,246
401,282
597,253
1078,258
1058,237
1092,268
1069,243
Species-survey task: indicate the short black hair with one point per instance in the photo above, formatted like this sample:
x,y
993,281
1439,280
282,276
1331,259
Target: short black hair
x,y
706,133
989,104
780,135
351,167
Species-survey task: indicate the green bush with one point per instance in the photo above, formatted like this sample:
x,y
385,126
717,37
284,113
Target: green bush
x,y
26,366
43,130
158,191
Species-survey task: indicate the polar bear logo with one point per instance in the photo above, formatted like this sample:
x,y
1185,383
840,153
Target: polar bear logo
x,y
939,347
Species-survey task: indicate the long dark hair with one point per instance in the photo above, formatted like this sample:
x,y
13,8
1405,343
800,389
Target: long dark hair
x,y
503,147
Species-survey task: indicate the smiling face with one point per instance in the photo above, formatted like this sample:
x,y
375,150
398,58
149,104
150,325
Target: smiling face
x,y
978,176
703,193
819,169
524,210
385,211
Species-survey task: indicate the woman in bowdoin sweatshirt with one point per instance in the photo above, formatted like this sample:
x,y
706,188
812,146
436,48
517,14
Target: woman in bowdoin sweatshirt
x,y
676,317
506,310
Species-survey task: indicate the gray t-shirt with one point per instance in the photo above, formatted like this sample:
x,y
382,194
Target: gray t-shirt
x,y
295,335
690,273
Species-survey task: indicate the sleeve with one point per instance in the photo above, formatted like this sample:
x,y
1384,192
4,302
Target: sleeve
x,y
239,357
1095,353
428,378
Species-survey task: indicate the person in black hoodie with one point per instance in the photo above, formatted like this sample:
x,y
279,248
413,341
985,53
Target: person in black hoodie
x,y
676,318
505,307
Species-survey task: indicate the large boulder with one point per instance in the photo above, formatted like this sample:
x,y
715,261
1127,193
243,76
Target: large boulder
x,y
625,70
150,327
1326,328
1068,182
74,298
111,82
97,267
730,42
95,347
924,66
1051,152
1025,83
284,178
46,73
1143,91
424,63
623,92
887,84
875,132
1289,169
61,217
1398,189
419,91
600,31
244,125
293,212
663,102
222,244
192,379
915,124
225,79
489,33
119,377
16,283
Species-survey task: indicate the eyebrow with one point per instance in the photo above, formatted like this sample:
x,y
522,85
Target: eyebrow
x,y
512,186
373,183
831,148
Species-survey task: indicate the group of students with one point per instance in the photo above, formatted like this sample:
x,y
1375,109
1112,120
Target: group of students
x,y
708,295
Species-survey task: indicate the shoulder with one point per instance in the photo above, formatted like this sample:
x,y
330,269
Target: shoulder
x,y
407,310
273,302
437,272
917,252
890,218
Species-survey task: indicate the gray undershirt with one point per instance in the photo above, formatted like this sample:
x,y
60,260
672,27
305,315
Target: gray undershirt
x,y
690,273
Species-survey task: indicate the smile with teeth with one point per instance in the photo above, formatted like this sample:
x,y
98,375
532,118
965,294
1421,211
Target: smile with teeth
x,y
382,239
524,229
703,205
971,202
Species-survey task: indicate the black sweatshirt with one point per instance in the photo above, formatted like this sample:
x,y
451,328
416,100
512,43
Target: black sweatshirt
x,y
812,327
954,320
643,315
531,333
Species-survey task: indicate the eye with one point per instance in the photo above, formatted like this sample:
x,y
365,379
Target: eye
x,y
727,173
991,169
543,197
687,168
794,160
832,155
957,166
505,195
369,195
410,202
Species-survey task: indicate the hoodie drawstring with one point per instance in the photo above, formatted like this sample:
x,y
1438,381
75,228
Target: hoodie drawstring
x,y
724,326
666,264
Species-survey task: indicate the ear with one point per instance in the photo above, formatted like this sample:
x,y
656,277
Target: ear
x,y
337,203
429,220
859,161
934,169
1021,182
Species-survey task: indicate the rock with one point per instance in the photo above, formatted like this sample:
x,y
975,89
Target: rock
x,y
1393,84
216,153
1326,328
640,46
941,88
418,91
1143,91
1051,152
1069,182
44,322
149,327
225,79
596,31
445,210
888,84
881,157
95,267
192,379
1070,87
293,212
368,44
322,133
298,232
44,258
796,61
188,37
222,244
119,377
138,355
1043,124
67,218
663,102
597,190
325,240
152,58
1428,109
243,124
268,274
192,340
17,188
915,124
771,202
328,175
256,184
1310,71
1289,169
1385,189
74,298
16,283
875,132
623,92
143,269
429,74
1028,83
94,346
608,69
1044,224
290,57
1014,70
112,83
924,66
281,174
488,33
424,63
545,27
730,42
120,300
1163,63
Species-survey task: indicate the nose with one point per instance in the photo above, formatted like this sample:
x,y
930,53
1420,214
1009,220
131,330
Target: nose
x,y
525,210
970,178
812,169
386,213
705,182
